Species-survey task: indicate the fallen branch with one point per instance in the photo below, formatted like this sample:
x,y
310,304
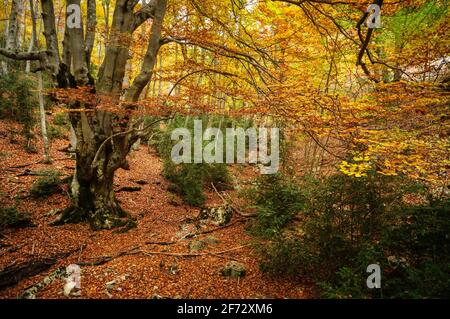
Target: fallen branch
x,y
162,243
207,253
25,165
31,291
29,172
134,251
36,162
129,189
215,229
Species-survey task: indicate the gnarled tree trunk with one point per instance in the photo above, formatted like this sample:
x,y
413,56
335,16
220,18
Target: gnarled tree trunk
x,y
102,144
100,148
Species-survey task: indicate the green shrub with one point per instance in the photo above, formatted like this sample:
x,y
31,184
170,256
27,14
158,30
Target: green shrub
x,y
277,199
61,119
55,132
417,246
350,223
17,100
11,217
190,179
46,185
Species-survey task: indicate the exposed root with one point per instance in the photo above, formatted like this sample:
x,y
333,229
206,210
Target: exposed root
x,y
99,220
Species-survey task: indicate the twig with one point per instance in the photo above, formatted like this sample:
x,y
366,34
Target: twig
x,y
167,243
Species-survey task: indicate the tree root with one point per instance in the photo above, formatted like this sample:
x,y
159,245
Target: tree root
x,y
74,215
70,215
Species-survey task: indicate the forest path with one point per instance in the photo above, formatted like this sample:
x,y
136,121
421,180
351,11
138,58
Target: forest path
x,y
161,217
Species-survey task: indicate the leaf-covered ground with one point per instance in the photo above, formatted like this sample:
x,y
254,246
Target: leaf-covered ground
x,y
161,217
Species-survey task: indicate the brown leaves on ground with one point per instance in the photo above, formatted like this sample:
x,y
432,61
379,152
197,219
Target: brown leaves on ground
x,y
158,220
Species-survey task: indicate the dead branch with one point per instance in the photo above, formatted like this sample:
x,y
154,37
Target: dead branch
x,y
207,253
215,229
162,243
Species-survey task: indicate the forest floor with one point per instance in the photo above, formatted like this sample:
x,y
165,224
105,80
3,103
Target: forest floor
x,y
142,267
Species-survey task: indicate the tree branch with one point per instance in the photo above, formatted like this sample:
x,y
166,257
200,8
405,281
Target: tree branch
x,y
33,55
146,12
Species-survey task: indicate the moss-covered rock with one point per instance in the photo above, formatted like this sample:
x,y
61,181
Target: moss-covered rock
x,y
233,269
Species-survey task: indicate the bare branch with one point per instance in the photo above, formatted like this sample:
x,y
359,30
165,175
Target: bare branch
x,y
23,56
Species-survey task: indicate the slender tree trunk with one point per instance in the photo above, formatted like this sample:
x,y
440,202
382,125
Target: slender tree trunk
x,y
47,158
3,63
33,42
90,30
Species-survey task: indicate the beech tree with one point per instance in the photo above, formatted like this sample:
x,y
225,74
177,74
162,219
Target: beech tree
x,y
103,138
14,30
100,149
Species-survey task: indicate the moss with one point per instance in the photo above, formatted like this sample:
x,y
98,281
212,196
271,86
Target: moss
x,y
46,185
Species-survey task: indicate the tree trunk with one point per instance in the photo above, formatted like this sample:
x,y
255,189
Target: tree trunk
x,y
51,40
47,158
33,41
90,30
95,201
15,29
101,150
101,144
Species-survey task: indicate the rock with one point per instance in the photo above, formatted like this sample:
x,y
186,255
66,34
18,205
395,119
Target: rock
x,y
110,285
218,216
174,200
211,240
233,269
53,212
187,230
68,288
197,245
173,269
